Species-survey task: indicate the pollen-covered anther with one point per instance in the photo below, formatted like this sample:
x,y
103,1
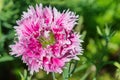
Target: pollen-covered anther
x,y
47,39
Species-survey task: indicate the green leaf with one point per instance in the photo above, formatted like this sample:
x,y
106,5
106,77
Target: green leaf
x,y
24,75
66,72
107,30
6,58
117,64
83,35
99,31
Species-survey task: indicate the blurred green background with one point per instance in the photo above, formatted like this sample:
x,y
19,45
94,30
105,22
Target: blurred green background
x,y
101,57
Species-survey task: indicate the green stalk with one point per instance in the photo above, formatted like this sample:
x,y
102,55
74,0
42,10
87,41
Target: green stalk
x,y
53,75
101,62
0,30
66,72
73,69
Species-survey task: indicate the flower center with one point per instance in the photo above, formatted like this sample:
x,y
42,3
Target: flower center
x,y
47,39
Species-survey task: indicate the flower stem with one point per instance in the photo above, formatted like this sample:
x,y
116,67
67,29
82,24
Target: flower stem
x,y
66,72
71,71
53,75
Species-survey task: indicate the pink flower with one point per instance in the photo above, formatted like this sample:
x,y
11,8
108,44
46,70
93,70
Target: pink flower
x,y
46,39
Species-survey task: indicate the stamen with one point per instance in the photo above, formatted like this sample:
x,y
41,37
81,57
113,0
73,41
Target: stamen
x,y
47,41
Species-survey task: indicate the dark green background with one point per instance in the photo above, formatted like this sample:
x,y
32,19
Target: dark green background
x,y
92,13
